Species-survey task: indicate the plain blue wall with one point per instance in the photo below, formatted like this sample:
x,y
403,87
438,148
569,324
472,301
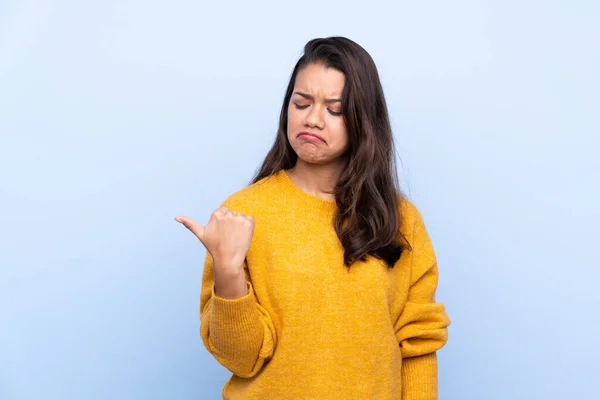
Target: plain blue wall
x,y
116,116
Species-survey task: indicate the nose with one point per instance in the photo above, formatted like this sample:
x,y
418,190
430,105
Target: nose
x,y
314,118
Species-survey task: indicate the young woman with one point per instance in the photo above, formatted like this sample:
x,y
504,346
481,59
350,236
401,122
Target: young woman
x,y
319,280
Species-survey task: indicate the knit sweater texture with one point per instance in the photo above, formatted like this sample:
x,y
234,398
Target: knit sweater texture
x,y
309,327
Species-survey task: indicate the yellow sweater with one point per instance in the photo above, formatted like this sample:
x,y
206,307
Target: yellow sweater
x,y
311,329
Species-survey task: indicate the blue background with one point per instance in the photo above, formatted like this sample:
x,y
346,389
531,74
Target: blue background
x,y
116,116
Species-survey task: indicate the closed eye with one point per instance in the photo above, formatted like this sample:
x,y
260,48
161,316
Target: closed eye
x,y
303,107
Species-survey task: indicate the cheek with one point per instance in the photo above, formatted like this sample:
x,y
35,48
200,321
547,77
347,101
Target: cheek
x,y
339,129
290,123
292,117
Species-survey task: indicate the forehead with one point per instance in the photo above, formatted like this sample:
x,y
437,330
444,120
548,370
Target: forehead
x,y
317,80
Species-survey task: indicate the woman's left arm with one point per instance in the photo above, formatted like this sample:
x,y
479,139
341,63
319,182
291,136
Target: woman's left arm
x,y
421,329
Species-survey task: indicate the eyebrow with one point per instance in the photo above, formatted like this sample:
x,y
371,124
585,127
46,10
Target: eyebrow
x,y
308,96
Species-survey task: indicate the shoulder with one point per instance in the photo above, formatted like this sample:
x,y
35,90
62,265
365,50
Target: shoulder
x,y
254,196
415,231
411,217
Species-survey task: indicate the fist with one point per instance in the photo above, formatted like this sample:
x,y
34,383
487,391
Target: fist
x,y
227,236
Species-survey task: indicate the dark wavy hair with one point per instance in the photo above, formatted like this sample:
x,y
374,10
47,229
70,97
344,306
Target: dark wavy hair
x,y
368,216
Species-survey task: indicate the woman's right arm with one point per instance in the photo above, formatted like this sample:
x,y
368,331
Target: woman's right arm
x,y
238,332
234,327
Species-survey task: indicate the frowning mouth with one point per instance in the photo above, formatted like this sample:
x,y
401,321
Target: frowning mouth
x,y
311,137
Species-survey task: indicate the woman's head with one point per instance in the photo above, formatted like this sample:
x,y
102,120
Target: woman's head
x,y
334,112
334,67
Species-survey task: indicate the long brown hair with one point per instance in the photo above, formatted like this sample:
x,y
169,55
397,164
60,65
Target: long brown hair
x,y
368,217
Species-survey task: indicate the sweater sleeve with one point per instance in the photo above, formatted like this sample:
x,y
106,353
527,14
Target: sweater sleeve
x,y
238,332
421,329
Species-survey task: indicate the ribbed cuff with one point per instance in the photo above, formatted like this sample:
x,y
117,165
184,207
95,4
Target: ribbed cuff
x,y
235,326
419,378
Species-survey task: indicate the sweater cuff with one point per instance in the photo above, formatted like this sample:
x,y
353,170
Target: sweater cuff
x,y
419,378
235,324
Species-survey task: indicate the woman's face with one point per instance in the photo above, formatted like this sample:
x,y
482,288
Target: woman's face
x,y
316,128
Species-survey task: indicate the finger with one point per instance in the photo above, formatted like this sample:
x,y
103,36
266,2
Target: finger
x,y
193,226
246,217
220,212
247,220
230,213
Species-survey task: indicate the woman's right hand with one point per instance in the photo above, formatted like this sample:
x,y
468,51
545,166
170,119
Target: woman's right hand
x,y
227,238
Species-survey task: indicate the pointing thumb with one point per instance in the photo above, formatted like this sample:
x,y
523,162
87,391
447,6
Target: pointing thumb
x,y
193,226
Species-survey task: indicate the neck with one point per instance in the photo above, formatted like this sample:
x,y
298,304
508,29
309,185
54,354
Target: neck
x,y
318,180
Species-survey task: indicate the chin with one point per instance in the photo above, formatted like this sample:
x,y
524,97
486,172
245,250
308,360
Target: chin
x,y
318,159
312,154
315,160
